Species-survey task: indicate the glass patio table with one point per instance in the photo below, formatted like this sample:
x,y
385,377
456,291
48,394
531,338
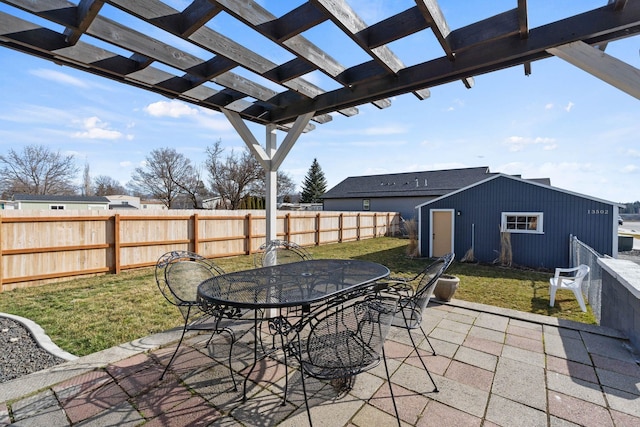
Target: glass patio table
x,y
289,290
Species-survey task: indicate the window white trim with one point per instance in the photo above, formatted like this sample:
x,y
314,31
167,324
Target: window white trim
x,y
522,222
57,207
366,204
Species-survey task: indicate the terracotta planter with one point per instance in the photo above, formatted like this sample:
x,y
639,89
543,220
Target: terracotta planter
x,y
446,287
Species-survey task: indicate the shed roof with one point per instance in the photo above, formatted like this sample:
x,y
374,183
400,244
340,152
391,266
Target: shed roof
x,y
526,181
59,198
408,184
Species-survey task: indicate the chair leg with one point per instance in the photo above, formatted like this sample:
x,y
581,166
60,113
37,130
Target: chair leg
x,y
433,350
552,295
578,293
232,335
184,330
386,369
415,348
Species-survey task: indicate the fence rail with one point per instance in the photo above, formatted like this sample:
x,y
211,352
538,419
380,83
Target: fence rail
x,y
38,247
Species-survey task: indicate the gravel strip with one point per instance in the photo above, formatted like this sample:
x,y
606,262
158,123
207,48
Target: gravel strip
x,y
21,354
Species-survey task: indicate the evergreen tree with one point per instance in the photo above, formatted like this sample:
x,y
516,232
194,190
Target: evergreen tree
x,y
314,185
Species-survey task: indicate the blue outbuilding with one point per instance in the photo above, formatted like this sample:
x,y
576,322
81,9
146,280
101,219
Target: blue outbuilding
x,y
525,221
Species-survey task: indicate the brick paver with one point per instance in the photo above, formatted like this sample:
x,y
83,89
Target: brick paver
x,y
491,370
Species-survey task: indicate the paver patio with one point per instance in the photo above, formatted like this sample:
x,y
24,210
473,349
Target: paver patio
x,y
493,367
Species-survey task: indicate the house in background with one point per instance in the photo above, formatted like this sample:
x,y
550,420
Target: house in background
x,y
400,192
123,201
152,204
6,205
51,202
536,219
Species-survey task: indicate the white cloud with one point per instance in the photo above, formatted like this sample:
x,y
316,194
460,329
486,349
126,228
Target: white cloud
x,y
549,106
97,129
518,143
174,109
204,118
630,169
632,152
58,77
569,106
456,103
30,113
125,164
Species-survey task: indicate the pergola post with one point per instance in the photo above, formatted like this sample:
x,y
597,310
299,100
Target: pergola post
x,y
271,185
270,158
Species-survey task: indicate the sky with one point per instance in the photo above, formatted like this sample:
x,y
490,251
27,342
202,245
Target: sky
x,y
559,122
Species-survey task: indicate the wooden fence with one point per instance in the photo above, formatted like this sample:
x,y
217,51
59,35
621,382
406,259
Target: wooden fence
x,y
38,247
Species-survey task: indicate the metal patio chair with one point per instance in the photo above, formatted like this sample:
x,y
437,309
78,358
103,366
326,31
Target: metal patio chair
x,y
280,252
178,274
343,340
414,294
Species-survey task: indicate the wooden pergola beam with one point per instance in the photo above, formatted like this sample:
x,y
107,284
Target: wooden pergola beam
x,y
601,65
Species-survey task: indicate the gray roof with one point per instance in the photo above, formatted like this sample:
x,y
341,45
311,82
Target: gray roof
x,y
408,184
58,198
541,182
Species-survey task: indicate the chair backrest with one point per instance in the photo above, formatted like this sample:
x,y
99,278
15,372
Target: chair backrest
x,y
346,340
178,274
429,278
280,252
571,276
582,272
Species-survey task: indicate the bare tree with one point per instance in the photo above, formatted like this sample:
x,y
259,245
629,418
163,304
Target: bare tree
x,y
165,173
285,184
232,177
104,185
86,181
37,170
192,186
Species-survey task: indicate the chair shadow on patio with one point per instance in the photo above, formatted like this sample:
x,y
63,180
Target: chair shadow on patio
x,y
203,373
491,367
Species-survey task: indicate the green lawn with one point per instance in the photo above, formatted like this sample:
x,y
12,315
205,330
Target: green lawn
x,y
83,316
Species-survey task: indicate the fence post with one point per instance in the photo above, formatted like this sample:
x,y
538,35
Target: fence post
x,y
287,225
317,229
388,227
249,236
570,250
116,243
375,224
358,226
196,231
340,226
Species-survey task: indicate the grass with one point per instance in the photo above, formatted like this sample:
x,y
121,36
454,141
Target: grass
x,y
86,315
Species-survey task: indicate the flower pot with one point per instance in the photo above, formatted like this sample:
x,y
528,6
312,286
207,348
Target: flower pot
x,y
446,287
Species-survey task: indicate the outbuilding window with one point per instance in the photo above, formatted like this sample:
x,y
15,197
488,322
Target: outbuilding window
x,y
365,204
56,207
522,222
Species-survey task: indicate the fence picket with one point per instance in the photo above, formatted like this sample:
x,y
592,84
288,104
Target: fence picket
x,y
38,247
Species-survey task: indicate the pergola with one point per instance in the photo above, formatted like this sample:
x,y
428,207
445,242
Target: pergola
x,y
104,38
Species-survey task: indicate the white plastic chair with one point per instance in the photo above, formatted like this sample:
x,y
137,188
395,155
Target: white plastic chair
x,y
569,278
